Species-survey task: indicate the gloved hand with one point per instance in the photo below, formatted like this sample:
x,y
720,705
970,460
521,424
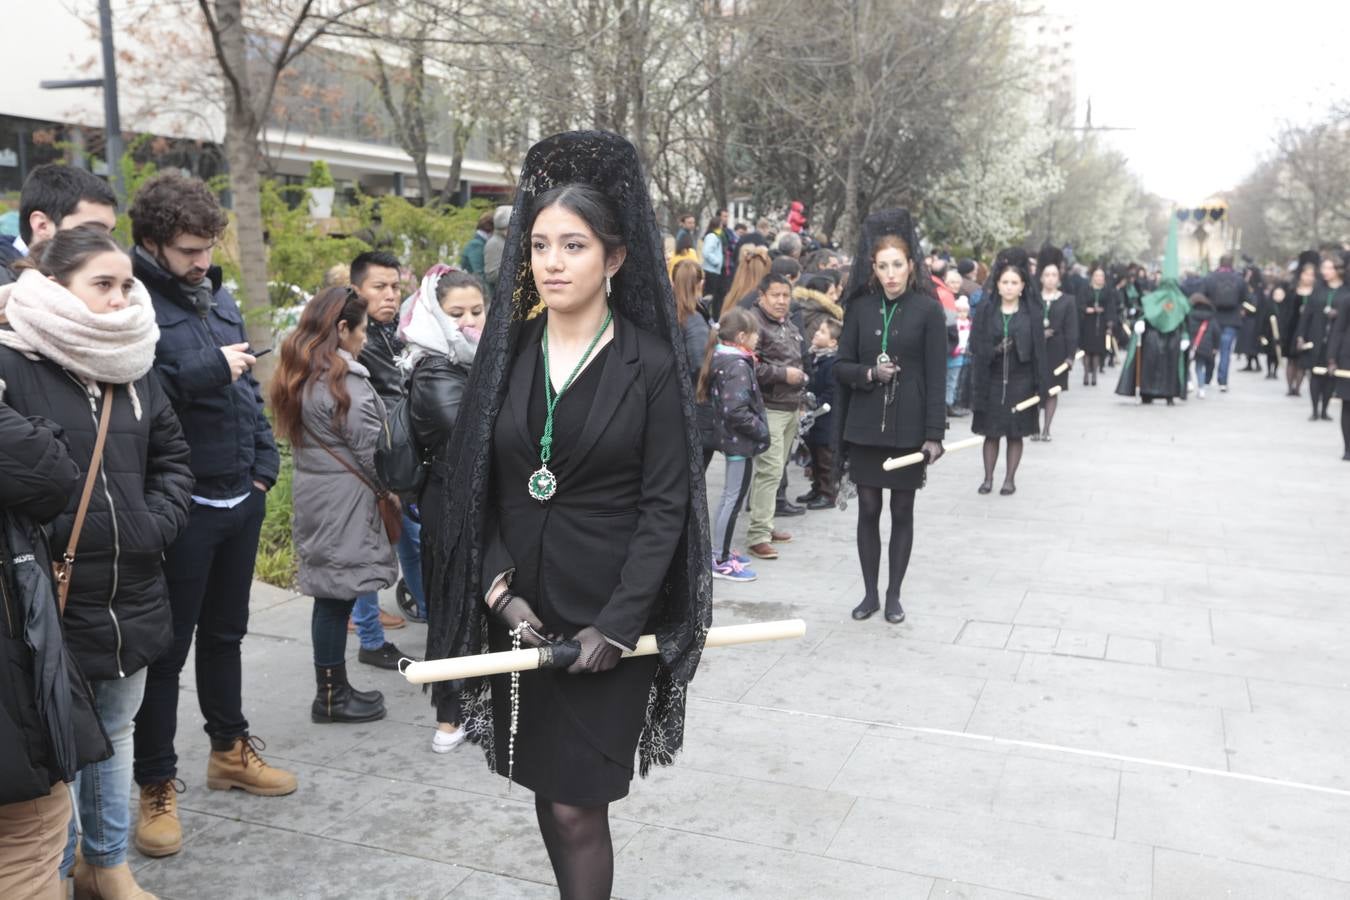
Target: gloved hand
x,y
1185,345
1139,327
512,609
933,450
597,653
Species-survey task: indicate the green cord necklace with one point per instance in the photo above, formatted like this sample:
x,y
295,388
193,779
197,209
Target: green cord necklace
x,y
543,484
884,357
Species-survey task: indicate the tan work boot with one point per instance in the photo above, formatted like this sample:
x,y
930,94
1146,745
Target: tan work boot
x,y
158,831
241,767
115,883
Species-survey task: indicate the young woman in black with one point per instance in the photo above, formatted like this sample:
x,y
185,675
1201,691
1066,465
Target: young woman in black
x,y
1007,347
1097,314
892,375
1059,317
576,508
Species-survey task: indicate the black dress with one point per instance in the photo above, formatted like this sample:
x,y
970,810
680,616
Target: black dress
x,y
1061,319
880,421
1093,327
595,554
1008,353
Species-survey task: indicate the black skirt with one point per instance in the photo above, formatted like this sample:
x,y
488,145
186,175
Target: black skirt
x,y
864,467
996,418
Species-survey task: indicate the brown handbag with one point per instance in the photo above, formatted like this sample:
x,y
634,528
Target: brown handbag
x,y
64,568
391,510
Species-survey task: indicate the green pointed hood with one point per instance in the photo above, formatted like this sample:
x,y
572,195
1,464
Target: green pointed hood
x,y
1167,307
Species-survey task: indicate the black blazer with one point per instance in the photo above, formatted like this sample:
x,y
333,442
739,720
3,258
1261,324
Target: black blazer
x,y
1061,317
603,546
1028,339
1314,325
918,343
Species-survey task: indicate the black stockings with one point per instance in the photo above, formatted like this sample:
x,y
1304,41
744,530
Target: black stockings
x,y
579,847
1345,425
991,458
1092,364
1319,389
1293,375
1049,405
869,541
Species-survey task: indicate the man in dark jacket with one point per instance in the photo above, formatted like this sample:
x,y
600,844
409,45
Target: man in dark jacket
x,y
57,196
782,380
48,728
204,363
375,278
1227,290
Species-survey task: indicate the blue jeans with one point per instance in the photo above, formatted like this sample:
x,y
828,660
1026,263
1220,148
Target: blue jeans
x,y
1227,340
953,379
1204,370
410,558
366,617
104,789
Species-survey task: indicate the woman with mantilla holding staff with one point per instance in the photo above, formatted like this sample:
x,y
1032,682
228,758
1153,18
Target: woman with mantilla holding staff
x,y
577,509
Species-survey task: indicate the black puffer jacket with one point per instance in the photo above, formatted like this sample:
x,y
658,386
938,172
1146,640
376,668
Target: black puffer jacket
x,y
117,617
223,421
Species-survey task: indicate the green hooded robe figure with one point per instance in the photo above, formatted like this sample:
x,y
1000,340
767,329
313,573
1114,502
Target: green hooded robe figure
x,y
1155,365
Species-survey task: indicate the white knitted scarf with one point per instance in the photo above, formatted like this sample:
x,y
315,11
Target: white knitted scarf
x,y
47,320
425,327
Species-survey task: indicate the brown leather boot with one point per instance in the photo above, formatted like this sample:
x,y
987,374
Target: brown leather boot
x,y
158,831
241,767
114,883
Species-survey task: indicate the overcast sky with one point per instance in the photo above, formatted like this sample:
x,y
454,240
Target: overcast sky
x,y
1206,83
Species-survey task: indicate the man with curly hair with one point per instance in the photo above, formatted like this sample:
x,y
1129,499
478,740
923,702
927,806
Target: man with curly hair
x,y
204,362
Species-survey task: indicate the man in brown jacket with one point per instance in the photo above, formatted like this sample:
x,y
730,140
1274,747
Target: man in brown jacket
x,y
782,380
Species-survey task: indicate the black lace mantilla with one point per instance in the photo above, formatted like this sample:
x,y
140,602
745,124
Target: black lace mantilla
x,y
453,535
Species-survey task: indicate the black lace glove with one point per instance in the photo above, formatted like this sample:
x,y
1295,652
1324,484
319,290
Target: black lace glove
x,y
512,610
597,653
933,450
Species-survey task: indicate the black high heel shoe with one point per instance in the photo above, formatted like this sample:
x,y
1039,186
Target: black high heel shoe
x,y
865,610
895,615
1008,489
986,487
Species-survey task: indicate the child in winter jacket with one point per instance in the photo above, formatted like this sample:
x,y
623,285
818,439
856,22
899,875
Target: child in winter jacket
x,y
1204,340
740,427
824,348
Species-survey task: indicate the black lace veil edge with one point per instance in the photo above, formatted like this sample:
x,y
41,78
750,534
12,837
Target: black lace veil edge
x,y
454,534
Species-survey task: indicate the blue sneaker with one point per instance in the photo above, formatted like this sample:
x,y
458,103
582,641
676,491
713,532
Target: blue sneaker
x,y
731,570
739,557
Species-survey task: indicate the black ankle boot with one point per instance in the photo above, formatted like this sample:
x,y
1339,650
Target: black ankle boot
x,y
336,701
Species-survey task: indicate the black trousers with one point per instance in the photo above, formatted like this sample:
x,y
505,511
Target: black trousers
x,y
209,571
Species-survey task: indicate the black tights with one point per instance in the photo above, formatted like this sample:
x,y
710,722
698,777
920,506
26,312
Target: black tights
x,y
1345,425
991,457
579,847
869,540
1092,364
1050,406
1319,389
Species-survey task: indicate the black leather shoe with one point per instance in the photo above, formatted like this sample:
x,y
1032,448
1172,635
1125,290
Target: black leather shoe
x,y
865,610
1008,490
895,613
986,487
789,509
386,657
808,497
1324,417
820,503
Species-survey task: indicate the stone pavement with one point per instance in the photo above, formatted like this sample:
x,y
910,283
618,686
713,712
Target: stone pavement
x,y
1131,679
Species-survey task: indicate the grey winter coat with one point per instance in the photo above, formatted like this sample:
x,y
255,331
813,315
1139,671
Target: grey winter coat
x,y
339,537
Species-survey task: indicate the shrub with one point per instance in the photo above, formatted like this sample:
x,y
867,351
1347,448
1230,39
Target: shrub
x,y
276,562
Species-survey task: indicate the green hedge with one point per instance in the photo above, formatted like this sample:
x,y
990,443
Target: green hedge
x,y
276,563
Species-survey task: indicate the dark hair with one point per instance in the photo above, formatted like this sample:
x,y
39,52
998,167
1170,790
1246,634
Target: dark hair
x,y
713,225
819,283
684,243
311,352
786,267
771,279
734,321
685,215
487,221
589,204
382,259
1226,260
56,189
66,252
458,279
1003,265
169,205
835,327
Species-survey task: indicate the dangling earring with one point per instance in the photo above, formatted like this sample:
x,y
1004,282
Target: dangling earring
x,y
608,287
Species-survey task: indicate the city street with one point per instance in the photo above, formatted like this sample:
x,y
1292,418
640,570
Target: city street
x,y
1131,679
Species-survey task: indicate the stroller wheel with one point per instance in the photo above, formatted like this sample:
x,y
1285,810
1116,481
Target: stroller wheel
x,y
406,603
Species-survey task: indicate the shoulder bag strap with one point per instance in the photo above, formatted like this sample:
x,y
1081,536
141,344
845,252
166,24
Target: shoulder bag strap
x,y
346,465
68,560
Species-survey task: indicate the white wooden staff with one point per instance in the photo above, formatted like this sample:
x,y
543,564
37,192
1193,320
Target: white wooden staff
x,y
1322,370
913,459
1275,334
1036,399
1249,307
1064,366
508,661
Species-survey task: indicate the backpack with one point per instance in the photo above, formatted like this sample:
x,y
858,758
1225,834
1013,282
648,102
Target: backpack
x,y
399,462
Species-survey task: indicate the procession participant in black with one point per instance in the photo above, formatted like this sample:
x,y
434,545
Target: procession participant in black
x,y
892,376
1249,334
1314,330
576,507
1270,307
1155,365
1338,357
1008,358
1097,312
1297,295
1059,316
